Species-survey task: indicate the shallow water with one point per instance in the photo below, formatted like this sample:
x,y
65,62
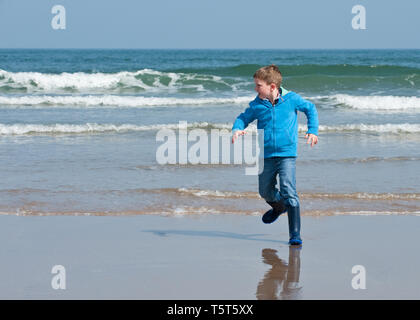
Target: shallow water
x,y
78,130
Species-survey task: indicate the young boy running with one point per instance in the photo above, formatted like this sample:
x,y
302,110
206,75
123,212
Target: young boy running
x,y
276,110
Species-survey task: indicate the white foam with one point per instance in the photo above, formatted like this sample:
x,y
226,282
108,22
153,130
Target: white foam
x,y
114,101
388,128
401,128
79,80
377,213
23,129
378,103
145,79
215,193
188,210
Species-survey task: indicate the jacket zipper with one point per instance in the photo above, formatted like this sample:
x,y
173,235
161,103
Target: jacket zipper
x,y
274,128
274,122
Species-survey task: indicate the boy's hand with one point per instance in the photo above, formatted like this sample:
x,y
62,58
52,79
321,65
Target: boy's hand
x,y
312,139
236,134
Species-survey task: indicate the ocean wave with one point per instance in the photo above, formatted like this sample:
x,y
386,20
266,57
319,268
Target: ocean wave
x,y
171,202
373,103
362,103
389,128
328,78
178,211
222,194
247,70
181,211
114,101
147,80
28,129
192,80
205,193
254,195
86,128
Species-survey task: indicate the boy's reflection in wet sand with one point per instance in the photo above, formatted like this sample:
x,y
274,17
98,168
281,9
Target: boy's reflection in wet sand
x,y
280,273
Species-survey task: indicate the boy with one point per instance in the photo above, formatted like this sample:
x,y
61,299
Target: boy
x,y
276,109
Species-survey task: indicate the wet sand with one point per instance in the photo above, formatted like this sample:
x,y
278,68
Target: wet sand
x,y
208,257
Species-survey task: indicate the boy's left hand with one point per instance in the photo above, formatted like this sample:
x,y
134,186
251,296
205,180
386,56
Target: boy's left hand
x,y
312,139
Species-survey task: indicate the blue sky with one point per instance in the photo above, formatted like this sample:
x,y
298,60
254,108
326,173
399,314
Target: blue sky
x,y
278,24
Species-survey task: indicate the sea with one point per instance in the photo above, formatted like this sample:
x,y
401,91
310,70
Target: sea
x,y
81,131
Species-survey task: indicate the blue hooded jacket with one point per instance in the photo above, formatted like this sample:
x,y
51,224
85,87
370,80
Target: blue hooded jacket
x,y
279,122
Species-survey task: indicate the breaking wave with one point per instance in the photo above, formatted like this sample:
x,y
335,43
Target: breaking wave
x,y
145,80
87,128
374,103
115,100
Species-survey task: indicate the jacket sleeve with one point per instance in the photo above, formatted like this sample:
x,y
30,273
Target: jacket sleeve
x,y
244,119
311,113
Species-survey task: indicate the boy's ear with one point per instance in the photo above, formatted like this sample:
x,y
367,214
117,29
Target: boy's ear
x,y
273,86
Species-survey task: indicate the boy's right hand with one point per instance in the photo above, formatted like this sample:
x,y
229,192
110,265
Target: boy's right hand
x,y
236,134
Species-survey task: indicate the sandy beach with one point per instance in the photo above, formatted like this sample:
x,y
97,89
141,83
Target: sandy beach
x,y
123,176
208,257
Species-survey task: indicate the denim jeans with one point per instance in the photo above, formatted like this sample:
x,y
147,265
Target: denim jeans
x,y
285,167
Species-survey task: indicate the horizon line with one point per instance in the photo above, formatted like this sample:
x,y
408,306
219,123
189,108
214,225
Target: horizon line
x,y
122,48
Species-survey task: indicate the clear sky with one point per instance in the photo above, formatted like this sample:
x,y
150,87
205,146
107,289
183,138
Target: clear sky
x,y
278,24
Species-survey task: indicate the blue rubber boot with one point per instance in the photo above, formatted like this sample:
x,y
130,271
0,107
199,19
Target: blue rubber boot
x,y
294,225
271,215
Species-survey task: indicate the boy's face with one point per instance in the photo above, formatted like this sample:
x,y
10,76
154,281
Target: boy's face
x,y
264,89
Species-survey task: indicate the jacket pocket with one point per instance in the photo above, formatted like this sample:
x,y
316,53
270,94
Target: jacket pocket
x,y
268,136
282,138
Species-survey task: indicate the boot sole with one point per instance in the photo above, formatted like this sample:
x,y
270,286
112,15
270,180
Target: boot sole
x,y
270,217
